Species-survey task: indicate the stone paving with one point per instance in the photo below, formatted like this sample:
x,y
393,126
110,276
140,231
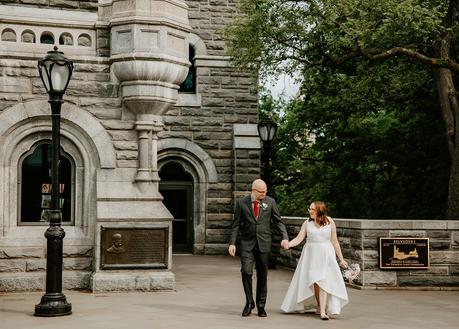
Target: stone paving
x,y
209,295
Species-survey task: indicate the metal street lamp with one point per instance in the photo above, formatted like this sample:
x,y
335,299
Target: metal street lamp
x,y
55,72
267,130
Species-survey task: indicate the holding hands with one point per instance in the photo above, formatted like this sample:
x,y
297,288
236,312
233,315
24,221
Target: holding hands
x,y
232,248
284,244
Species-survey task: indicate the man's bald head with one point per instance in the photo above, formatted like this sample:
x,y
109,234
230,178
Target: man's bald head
x,y
258,184
259,189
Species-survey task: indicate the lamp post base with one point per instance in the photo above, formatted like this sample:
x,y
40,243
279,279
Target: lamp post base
x,y
53,304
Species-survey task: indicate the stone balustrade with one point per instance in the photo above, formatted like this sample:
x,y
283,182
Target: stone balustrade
x,y
27,31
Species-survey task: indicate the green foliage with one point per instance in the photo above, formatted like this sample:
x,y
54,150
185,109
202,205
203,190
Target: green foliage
x,y
369,142
367,137
273,36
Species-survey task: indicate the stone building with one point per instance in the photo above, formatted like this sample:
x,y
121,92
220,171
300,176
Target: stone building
x,y
153,109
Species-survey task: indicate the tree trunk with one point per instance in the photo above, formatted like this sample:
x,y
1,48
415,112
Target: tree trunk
x,y
452,211
449,107
450,110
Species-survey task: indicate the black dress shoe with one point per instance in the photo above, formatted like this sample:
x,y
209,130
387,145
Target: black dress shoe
x,y
262,312
247,309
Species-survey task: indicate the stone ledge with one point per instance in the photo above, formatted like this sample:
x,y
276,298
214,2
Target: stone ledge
x,y
33,281
449,281
76,279
379,278
216,248
132,281
48,16
22,282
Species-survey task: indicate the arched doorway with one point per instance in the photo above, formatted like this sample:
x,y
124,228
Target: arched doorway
x,y
176,186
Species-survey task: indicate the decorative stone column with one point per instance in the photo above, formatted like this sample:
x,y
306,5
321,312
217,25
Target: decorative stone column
x,y
149,59
154,152
143,171
148,150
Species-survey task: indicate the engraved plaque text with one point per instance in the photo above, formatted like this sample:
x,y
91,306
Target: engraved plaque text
x,y
134,247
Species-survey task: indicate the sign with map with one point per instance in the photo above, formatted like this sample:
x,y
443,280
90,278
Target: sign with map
x,y
403,253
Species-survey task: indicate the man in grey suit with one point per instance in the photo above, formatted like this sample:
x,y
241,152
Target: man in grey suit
x,y
253,216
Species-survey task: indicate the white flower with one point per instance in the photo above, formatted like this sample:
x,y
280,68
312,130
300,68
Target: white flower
x,y
351,273
264,205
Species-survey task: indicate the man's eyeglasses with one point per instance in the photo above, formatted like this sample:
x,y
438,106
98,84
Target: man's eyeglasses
x,y
261,192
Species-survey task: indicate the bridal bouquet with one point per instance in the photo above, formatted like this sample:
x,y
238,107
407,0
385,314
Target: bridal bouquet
x,y
351,273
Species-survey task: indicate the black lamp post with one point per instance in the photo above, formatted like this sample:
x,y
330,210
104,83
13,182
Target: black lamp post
x,y
267,130
55,72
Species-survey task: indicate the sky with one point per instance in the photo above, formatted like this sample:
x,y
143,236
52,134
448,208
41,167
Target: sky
x,y
283,84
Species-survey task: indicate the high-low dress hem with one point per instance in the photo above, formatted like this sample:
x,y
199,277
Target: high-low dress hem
x,y
317,264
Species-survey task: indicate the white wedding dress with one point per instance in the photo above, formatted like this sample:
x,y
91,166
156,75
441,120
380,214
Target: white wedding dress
x,y
317,264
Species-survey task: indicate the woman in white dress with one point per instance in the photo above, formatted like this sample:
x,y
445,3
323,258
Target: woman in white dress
x,y
317,274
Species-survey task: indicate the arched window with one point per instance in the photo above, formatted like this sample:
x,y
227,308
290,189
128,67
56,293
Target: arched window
x,y
66,39
35,185
84,40
47,38
189,85
28,36
8,35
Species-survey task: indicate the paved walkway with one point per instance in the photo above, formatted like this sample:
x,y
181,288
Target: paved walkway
x,y
209,295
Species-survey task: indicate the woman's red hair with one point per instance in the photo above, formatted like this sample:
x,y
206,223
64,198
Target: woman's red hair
x,y
321,213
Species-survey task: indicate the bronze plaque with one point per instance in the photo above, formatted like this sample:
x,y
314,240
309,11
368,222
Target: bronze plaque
x,y
403,253
137,247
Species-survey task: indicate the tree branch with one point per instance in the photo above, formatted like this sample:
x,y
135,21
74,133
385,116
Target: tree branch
x,y
378,54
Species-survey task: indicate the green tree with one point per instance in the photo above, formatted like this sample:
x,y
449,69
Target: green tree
x,y
368,154
276,36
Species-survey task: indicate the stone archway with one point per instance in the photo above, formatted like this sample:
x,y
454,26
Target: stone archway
x,y
22,127
176,187
75,122
199,165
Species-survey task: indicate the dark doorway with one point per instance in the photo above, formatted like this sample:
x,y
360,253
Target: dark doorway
x,y
176,187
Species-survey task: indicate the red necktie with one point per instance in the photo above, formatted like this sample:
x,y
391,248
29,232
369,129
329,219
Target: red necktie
x,y
256,205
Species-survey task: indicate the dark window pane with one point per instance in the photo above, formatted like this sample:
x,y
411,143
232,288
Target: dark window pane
x,y
189,85
174,172
36,185
47,38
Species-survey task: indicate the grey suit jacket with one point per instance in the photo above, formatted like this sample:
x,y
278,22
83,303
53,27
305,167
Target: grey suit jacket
x,y
252,231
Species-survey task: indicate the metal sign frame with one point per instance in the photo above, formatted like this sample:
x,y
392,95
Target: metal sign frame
x,y
403,253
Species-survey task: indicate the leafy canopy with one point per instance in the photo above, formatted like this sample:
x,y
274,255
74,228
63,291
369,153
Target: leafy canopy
x,y
367,154
277,36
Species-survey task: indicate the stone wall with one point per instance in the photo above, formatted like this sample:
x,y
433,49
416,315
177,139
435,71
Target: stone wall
x,y
23,268
359,243
208,19
87,5
227,97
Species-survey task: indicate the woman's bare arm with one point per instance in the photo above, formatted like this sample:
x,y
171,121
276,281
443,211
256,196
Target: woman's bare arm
x,y
335,243
300,237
